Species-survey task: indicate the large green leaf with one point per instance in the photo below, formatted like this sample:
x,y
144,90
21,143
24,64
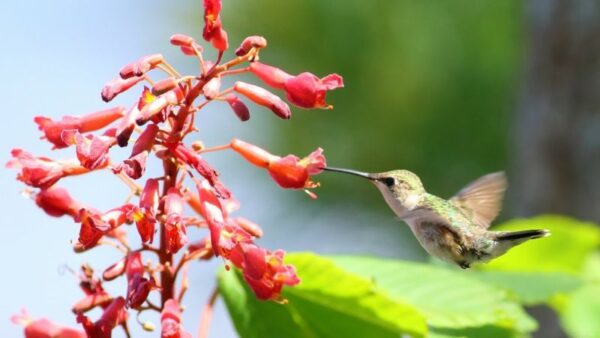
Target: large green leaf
x,y
449,299
329,302
530,288
581,311
564,251
581,317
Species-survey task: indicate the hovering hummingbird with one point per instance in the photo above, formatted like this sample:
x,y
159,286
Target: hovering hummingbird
x,y
454,230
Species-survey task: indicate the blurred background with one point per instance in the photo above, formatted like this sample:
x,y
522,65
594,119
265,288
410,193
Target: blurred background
x,y
450,90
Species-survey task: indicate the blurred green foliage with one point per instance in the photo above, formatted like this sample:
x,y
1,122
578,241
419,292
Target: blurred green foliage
x,y
429,85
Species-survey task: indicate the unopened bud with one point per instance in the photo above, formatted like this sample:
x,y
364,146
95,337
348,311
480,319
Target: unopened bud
x,y
117,86
141,66
265,98
114,270
239,108
163,86
250,42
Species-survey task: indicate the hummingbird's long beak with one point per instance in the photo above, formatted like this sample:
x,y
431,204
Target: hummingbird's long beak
x,y
349,171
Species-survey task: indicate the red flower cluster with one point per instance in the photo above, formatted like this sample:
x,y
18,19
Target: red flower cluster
x,y
159,122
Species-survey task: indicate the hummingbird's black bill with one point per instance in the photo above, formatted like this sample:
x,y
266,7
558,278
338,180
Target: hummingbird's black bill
x,y
349,171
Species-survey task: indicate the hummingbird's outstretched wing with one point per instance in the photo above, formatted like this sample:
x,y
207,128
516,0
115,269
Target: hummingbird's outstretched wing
x,y
481,200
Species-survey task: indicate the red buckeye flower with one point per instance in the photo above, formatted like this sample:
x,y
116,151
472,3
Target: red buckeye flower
x,y
112,316
304,90
92,150
90,122
289,171
213,31
144,216
42,172
44,328
264,98
95,225
174,225
138,286
170,321
57,202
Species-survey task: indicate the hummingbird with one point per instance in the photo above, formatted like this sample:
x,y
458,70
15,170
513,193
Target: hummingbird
x,y
453,230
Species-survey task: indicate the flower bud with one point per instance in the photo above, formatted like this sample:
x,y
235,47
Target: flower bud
x,y
163,86
117,86
264,98
57,202
239,108
250,42
115,270
141,66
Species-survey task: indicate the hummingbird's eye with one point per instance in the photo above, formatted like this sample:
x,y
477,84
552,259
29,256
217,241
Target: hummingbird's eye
x,y
389,181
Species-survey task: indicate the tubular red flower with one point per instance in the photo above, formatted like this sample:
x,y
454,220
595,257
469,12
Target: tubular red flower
x,y
253,154
170,321
42,172
112,316
270,75
135,165
239,108
95,225
306,90
213,31
264,98
44,328
138,286
174,227
91,301
250,42
264,271
293,172
57,202
117,86
212,212
90,122
289,171
92,150
144,216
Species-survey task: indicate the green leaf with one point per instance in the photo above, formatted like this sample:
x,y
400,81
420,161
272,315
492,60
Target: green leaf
x,y
564,251
530,288
580,318
329,302
449,299
487,331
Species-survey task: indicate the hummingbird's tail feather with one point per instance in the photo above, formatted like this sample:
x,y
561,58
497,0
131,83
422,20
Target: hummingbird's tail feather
x,y
505,240
522,236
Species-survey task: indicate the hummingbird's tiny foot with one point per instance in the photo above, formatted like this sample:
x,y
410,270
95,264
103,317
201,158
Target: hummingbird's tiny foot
x,y
464,265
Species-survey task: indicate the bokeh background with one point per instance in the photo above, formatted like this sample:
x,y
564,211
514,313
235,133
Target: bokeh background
x,y
450,90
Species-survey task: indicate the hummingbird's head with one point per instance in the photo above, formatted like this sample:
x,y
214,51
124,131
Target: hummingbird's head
x,y
398,182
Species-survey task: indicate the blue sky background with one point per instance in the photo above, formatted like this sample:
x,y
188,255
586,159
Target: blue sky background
x,y
56,57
